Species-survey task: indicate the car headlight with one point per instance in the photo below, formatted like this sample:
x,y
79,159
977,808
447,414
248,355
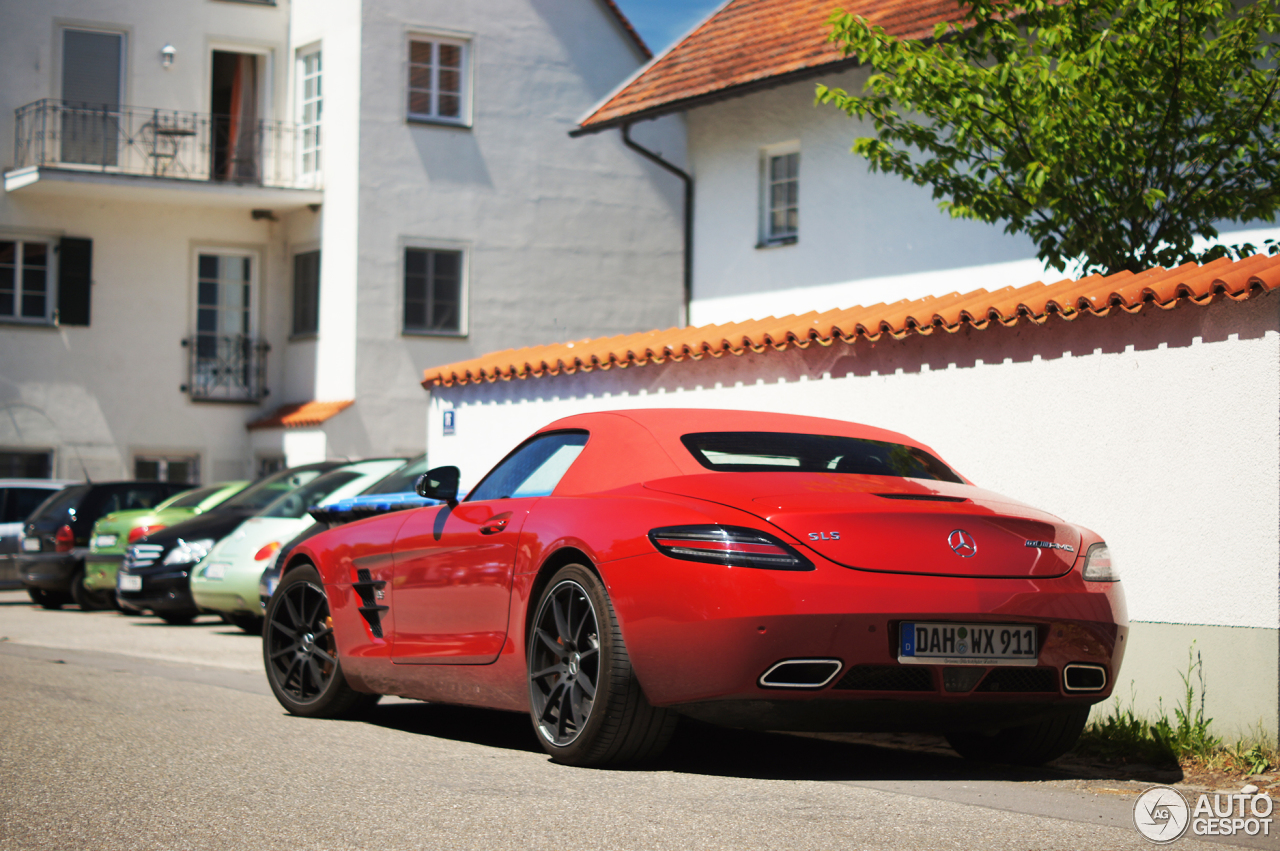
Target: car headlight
x,y
1099,566
188,552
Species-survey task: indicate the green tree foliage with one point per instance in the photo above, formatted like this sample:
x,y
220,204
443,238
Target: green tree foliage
x,y
1112,132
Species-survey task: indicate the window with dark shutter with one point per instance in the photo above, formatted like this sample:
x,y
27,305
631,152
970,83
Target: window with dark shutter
x,y
75,279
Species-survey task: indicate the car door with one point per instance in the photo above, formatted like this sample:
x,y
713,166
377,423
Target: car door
x,y
453,566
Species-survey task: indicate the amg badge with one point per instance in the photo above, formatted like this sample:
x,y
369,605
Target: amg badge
x,y
1050,545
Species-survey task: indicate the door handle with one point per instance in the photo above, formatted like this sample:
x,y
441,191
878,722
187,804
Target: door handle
x,y
495,525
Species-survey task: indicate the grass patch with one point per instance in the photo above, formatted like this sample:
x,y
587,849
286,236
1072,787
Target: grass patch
x,y
1184,741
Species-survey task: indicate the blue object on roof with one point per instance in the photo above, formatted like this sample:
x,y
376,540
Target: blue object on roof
x,y
360,507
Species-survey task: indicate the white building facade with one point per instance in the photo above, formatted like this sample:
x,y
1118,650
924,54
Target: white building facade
x,y
216,208
786,219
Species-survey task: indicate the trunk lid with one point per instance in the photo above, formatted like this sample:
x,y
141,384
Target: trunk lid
x,y
891,525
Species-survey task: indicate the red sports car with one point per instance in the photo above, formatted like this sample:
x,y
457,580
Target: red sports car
x,y
618,570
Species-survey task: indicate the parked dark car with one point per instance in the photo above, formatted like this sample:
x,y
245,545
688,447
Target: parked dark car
x,y
56,538
18,498
155,575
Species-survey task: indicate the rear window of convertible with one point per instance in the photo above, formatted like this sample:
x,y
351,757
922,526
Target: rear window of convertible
x,y
780,452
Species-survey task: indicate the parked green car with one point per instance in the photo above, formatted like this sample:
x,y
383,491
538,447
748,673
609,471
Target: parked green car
x,y
114,532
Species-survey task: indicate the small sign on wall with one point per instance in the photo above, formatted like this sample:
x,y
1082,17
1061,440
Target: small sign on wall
x,y
449,427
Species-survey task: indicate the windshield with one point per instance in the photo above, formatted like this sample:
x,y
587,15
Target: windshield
x,y
192,499
401,480
269,489
61,507
762,451
295,503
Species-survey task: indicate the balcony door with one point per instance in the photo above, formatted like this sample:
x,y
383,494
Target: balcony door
x,y
225,357
235,102
92,74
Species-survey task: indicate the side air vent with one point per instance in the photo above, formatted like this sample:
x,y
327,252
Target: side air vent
x,y
801,673
1020,680
923,497
886,678
368,587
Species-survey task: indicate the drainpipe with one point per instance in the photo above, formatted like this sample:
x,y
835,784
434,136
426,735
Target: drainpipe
x,y
688,213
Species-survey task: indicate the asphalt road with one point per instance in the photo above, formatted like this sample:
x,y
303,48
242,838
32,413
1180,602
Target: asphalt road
x,y
123,733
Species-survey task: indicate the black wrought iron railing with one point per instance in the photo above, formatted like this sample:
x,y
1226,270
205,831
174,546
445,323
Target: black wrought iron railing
x,y
158,143
226,368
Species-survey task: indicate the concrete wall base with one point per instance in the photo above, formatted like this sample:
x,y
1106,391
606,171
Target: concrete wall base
x,y
1241,668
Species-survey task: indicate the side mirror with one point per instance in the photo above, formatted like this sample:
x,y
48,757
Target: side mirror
x,y
440,483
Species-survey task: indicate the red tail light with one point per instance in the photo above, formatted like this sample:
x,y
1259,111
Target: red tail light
x,y
266,552
139,532
64,540
729,546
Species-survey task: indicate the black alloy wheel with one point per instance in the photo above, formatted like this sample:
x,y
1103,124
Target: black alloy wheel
x,y
300,654
564,663
584,699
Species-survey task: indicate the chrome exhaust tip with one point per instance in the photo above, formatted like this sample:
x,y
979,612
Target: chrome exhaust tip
x,y
800,673
1078,677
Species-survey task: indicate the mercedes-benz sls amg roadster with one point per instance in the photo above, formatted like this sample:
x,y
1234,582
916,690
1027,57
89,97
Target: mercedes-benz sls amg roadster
x,y
619,570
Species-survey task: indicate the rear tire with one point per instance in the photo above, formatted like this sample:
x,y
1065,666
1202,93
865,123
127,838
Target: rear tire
x,y
48,599
1031,744
586,704
300,654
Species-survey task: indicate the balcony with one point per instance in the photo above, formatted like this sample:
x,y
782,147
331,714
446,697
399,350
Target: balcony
x,y
226,368
80,149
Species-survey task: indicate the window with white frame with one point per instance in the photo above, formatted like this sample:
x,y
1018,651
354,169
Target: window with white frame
x,y
310,103
433,291
438,79
183,469
780,186
25,292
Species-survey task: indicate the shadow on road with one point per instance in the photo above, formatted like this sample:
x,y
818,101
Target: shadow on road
x,y
699,748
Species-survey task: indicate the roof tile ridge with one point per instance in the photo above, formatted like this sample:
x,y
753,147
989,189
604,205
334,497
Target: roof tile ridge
x,y
863,321
1195,283
1241,281
1267,278
1037,300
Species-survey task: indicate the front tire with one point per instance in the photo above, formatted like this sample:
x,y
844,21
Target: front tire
x,y
586,704
300,654
1030,744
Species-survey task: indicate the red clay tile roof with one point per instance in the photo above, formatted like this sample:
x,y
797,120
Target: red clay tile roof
x,y
1035,303
752,43
301,415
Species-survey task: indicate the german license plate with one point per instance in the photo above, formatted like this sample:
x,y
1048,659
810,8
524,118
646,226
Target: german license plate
x,y
125,582
967,644
217,570
104,541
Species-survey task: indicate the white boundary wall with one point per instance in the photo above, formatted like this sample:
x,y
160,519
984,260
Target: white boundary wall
x,y
1159,430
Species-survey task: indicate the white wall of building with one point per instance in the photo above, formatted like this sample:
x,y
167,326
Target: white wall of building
x,y
1157,430
864,238
564,238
